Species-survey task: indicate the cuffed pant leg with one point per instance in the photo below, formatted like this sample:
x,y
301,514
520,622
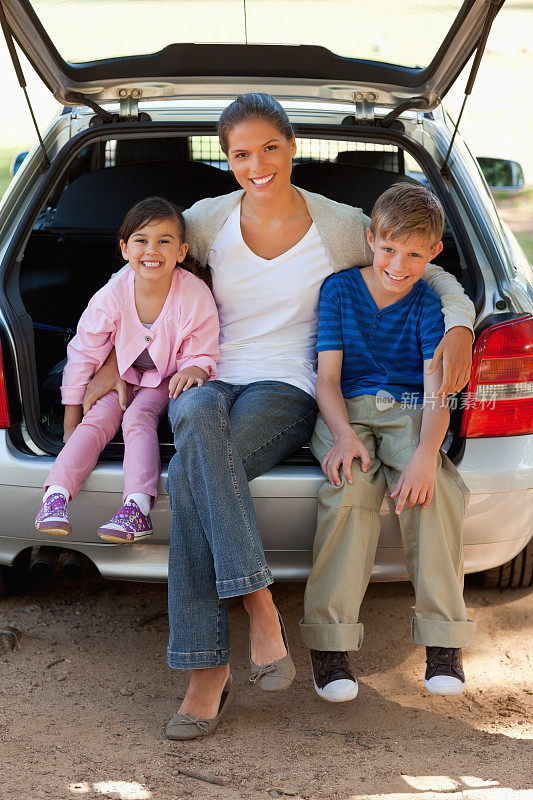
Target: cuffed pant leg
x,y
348,528
433,550
198,618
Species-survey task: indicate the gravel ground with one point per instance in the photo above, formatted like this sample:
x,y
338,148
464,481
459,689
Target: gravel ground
x,y
84,700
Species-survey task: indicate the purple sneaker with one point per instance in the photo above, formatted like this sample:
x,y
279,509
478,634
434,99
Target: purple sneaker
x,y
53,517
128,525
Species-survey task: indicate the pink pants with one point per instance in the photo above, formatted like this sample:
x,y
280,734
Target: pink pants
x,y
142,464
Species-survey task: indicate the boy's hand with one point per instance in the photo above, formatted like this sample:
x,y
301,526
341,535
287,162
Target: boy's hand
x,y
184,379
343,452
417,479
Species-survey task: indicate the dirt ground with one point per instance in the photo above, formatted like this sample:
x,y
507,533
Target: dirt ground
x,y
84,700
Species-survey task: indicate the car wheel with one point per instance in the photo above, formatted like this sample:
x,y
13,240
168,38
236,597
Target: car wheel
x,y
513,574
4,581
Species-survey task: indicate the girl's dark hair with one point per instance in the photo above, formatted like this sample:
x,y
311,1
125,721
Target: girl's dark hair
x,y
255,105
158,208
148,210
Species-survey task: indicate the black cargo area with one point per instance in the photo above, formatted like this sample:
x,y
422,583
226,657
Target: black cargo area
x,y
73,249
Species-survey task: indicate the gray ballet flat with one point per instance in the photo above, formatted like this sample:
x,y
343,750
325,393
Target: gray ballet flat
x,y
278,675
187,726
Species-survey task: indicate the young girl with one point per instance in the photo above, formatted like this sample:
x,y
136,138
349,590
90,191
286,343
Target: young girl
x,y
163,323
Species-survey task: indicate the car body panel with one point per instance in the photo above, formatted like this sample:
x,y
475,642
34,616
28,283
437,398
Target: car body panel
x,y
498,522
204,69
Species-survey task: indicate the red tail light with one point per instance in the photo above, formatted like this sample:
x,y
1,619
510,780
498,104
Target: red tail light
x,y
499,397
5,422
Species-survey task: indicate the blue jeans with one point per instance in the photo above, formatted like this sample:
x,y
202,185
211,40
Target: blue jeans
x,y
225,436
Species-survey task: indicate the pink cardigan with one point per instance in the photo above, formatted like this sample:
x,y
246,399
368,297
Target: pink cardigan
x,y
185,334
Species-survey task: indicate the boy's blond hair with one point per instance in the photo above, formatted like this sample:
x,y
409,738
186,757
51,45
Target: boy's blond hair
x,y
408,210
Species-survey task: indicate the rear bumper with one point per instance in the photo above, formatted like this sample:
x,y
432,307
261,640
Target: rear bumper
x,y
498,523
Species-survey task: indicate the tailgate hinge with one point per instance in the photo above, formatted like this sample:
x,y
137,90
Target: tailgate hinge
x,y
129,104
365,111
364,107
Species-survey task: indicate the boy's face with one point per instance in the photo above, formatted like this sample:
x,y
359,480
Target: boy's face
x,y
399,264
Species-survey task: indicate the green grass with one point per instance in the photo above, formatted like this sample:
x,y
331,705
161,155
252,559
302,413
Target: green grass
x,y
6,157
522,199
517,207
526,243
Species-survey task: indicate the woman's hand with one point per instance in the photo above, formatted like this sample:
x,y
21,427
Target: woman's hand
x,y
417,479
343,452
71,420
184,379
455,350
104,381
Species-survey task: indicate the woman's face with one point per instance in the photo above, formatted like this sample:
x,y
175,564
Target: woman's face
x,y
260,157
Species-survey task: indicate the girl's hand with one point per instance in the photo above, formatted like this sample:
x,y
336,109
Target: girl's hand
x,y
67,432
105,380
343,452
72,418
417,479
184,379
455,349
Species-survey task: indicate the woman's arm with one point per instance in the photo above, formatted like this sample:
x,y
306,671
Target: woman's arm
x,y
455,352
457,308
455,348
201,329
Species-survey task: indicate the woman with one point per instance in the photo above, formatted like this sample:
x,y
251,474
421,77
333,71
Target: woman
x,y
269,247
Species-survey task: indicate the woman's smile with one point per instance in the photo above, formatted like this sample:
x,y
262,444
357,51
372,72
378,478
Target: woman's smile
x,y
263,181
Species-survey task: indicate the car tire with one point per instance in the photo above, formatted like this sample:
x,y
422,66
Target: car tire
x,y
4,581
516,573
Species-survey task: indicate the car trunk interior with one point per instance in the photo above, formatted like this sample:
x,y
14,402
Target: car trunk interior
x,y
72,249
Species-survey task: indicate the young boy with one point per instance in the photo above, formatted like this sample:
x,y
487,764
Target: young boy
x,y
377,332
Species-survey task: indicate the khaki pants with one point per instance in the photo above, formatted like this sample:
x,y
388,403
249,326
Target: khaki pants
x,y
348,528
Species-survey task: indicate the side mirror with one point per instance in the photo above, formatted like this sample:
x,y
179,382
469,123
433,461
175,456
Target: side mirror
x,y
502,174
17,161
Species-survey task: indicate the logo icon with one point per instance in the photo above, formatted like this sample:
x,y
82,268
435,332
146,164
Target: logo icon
x,y
384,400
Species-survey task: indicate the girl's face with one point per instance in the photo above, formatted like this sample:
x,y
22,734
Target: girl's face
x,y
154,249
260,157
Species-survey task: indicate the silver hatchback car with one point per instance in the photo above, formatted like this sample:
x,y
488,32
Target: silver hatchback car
x,y
139,118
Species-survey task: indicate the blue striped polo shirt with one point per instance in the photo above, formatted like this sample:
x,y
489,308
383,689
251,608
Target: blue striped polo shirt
x,y
384,350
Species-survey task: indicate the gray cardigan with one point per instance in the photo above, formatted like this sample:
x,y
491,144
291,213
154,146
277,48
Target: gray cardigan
x,y
342,229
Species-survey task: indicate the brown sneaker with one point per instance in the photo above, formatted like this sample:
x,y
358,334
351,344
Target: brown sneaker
x,y
444,671
332,676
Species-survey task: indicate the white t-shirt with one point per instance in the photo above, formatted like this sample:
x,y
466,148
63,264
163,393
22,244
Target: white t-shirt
x,y
268,308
